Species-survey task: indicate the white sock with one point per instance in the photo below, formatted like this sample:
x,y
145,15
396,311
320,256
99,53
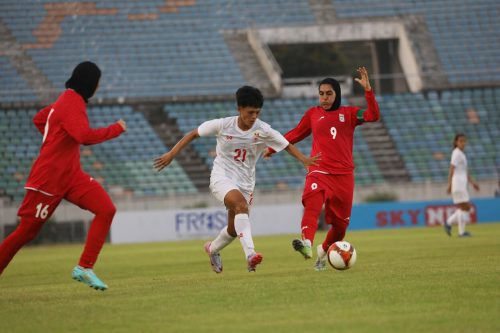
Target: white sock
x,y
461,221
222,240
453,218
244,232
466,216
321,252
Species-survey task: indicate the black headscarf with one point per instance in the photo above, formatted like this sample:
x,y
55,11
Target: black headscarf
x,y
336,87
84,79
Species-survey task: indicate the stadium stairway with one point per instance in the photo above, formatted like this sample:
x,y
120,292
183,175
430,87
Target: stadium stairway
x,y
250,66
384,152
167,130
425,52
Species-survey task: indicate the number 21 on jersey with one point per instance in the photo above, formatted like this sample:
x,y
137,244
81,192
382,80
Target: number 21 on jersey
x,y
240,155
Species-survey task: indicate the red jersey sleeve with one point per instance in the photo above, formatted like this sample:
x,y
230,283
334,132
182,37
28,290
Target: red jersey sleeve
x,y
76,124
301,131
40,119
372,113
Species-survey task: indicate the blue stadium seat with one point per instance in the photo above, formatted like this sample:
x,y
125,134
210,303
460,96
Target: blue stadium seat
x,y
124,163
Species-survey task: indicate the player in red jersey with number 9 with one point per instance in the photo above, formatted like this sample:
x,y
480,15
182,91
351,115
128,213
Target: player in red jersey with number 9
x,y
331,182
57,173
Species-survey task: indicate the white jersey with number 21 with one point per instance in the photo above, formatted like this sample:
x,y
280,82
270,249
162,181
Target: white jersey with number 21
x,y
238,151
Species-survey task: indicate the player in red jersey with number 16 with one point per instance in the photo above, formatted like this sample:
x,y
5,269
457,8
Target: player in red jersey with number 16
x,y
57,173
331,182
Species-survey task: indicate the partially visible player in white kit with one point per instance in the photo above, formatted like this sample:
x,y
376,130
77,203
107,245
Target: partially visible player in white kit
x,y
458,178
241,141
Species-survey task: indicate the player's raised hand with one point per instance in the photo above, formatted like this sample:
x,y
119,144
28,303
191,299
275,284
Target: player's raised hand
x,y
123,124
163,161
363,78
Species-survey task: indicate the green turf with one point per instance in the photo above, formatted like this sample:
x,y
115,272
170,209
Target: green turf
x,y
411,280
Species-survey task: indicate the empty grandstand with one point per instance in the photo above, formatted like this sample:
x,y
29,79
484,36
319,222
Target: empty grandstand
x,y
169,65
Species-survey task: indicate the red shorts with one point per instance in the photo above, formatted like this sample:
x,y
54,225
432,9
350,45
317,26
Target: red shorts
x,y
338,191
41,206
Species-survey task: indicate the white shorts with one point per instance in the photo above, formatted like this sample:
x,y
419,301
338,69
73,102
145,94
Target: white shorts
x,y
222,186
460,196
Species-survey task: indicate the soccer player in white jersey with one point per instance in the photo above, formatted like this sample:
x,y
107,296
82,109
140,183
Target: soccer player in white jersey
x,y
458,177
241,141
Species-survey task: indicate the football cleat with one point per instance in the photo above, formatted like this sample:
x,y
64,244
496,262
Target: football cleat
x,y
447,228
253,260
87,276
320,264
303,248
465,234
215,260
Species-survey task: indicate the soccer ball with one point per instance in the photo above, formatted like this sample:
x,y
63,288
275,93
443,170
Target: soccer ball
x,y
341,255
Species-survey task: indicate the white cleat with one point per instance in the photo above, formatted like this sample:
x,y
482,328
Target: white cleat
x,y
320,264
215,260
253,260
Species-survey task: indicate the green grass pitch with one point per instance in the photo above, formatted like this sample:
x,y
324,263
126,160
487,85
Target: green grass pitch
x,y
407,280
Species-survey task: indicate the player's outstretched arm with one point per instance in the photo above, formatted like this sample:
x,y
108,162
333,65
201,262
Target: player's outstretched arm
x,y
296,134
164,160
372,113
306,161
92,136
77,126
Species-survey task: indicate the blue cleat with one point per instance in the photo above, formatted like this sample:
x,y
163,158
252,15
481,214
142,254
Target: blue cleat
x,y
87,276
447,228
465,234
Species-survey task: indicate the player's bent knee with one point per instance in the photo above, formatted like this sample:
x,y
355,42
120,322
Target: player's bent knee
x,y
241,208
111,210
108,210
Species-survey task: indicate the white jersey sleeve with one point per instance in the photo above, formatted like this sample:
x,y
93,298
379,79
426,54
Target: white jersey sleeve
x,y
275,140
210,127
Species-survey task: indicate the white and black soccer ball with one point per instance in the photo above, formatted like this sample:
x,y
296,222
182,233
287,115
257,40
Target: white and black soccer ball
x,y
341,255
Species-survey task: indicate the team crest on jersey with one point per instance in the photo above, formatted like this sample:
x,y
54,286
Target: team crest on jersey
x,y
229,137
256,135
341,117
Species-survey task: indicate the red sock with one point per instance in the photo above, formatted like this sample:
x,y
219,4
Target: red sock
x,y
24,233
99,203
312,210
335,234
